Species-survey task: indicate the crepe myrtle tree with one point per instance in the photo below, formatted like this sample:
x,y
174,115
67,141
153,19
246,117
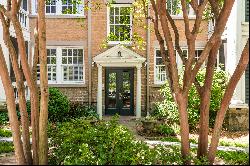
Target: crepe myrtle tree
x,y
24,152
163,23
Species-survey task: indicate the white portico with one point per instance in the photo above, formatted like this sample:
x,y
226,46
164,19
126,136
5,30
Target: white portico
x,y
119,56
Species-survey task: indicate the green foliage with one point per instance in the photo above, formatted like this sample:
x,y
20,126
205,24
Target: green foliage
x,y
60,109
166,130
201,161
168,108
58,106
232,143
5,133
6,147
79,110
3,117
83,142
234,157
170,139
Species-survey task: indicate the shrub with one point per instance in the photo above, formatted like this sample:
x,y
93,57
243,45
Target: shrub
x,y
82,142
168,108
166,130
5,133
234,157
58,105
6,147
78,110
3,117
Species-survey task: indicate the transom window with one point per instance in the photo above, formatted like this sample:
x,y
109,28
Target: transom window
x,y
120,23
65,65
160,72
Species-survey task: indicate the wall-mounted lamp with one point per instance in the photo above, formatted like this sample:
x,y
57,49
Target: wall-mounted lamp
x,y
119,54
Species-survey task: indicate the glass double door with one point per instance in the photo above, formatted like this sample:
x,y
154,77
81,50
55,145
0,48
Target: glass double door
x,y
119,91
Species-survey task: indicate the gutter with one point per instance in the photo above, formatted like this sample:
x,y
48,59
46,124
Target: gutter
x,y
89,53
148,55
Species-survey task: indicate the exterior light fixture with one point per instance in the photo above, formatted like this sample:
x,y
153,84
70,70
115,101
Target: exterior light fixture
x,y
119,54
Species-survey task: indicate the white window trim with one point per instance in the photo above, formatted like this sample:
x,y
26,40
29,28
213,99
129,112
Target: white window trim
x,y
58,9
108,26
59,71
157,82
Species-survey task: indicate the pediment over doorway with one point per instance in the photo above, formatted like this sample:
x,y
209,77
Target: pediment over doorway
x,y
119,55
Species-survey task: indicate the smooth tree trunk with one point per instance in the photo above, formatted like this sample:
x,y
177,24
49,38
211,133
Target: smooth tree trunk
x,y
205,102
22,105
182,101
32,86
11,105
43,119
21,91
241,67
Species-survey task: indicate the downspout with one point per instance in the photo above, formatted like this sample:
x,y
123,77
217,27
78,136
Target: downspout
x,y
148,55
89,52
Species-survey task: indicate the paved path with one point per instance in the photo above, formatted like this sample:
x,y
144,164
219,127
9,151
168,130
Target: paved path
x,y
223,148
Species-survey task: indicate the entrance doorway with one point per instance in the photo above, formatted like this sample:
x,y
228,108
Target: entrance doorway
x,y
119,91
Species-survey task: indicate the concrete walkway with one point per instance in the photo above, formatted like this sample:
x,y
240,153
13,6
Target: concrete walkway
x,y
223,148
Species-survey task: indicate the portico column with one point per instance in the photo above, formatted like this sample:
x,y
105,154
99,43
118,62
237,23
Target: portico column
x,y
138,92
99,92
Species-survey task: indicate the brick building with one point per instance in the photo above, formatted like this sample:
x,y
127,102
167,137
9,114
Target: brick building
x,y
119,78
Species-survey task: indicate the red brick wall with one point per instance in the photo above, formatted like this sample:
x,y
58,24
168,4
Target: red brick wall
x,y
69,29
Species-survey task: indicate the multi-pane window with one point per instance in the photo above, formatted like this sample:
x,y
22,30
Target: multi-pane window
x,y
59,7
50,7
24,5
246,10
51,63
64,65
160,72
72,63
174,7
120,23
71,6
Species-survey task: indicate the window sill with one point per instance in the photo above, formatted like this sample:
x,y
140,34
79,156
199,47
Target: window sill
x,y
180,17
60,16
157,85
113,43
245,23
71,85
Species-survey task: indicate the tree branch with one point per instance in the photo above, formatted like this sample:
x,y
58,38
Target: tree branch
x,y
219,29
161,6
198,19
241,67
